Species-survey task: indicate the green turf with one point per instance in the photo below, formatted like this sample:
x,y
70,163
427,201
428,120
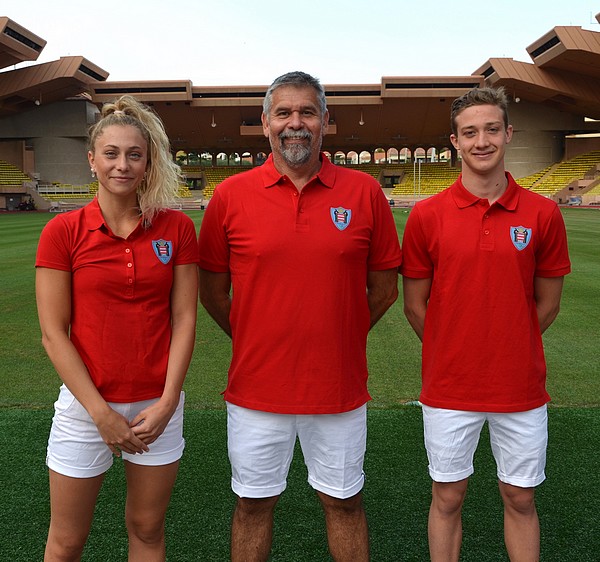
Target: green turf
x,y
397,488
396,495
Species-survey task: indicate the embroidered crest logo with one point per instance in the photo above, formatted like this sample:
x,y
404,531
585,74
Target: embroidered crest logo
x,y
340,217
163,250
520,236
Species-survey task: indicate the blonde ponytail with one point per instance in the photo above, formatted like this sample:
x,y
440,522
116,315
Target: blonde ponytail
x,y
163,176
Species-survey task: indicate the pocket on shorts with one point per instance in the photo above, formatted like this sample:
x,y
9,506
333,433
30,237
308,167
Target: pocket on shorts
x,y
68,406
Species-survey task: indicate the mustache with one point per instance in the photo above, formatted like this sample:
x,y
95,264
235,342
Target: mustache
x,y
295,135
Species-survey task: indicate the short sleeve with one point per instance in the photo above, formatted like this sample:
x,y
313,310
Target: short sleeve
x,y
188,248
54,250
213,248
416,261
385,250
552,254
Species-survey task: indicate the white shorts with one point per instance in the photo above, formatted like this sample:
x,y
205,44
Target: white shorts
x,y
519,441
76,449
261,446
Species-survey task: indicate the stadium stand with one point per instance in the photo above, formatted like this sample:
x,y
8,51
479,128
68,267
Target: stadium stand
x,y
408,115
214,176
427,179
374,170
528,181
11,175
564,173
549,182
64,197
594,195
422,181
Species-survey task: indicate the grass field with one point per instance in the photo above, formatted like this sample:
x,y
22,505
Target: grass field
x,y
397,488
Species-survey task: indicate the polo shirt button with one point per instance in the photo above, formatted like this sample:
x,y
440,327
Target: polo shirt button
x,y
127,250
486,232
129,264
130,281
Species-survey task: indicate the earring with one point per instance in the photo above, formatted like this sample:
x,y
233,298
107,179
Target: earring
x,y
93,172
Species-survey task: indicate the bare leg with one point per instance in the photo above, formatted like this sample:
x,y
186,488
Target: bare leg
x,y
72,502
347,530
521,523
445,523
252,529
148,494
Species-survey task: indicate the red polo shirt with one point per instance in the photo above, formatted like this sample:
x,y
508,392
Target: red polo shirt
x,y
482,347
121,291
299,264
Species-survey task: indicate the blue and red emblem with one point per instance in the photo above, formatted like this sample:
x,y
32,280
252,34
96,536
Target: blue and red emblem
x,y
520,236
163,250
340,217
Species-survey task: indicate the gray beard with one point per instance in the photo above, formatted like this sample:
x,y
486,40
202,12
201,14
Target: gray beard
x,y
296,154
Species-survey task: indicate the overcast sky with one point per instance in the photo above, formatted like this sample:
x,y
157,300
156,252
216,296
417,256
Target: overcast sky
x,y
237,42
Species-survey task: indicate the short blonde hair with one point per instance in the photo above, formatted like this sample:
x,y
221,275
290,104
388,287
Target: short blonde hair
x,y
479,96
163,176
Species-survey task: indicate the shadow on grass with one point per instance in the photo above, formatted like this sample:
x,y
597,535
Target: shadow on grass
x,y
396,495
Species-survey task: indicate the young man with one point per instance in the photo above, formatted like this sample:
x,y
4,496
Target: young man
x,y
483,267
311,252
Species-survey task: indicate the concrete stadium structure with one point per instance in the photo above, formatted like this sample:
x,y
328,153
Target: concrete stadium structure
x,y
46,109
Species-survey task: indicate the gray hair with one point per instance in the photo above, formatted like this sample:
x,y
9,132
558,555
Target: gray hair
x,y
297,79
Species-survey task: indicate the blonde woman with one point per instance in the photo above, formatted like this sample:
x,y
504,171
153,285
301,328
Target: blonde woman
x,y
116,288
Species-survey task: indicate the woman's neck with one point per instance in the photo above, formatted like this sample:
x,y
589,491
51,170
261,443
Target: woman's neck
x,y
121,215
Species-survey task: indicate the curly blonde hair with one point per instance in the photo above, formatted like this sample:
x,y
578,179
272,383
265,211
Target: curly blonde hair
x,y
163,176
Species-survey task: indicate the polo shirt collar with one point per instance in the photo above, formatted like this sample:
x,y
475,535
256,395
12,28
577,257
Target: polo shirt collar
x,y
510,197
327,172
464,198
94,219
271,176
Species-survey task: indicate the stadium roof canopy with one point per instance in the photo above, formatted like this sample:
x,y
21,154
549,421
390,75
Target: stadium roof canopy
x,y
22,88
565,73
399,111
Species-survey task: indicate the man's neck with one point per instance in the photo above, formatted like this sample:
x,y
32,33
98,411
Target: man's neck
x,y
299,175
490,187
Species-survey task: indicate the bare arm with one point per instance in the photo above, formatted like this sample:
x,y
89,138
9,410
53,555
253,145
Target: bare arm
x,y
53,295
547,293
150,423
416,295
382,292
215,297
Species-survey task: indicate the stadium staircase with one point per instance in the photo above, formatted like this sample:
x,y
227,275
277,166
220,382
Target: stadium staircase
x,y
594,195
529,181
